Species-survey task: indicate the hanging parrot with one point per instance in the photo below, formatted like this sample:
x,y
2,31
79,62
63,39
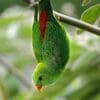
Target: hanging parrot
x,y
50,45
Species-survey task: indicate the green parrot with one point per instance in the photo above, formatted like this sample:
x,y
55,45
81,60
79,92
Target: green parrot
x,y
50,45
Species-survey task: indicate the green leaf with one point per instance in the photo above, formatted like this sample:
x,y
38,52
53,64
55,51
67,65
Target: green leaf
x,y
90,16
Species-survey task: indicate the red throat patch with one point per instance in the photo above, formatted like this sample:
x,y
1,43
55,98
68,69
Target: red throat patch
x,y
42,24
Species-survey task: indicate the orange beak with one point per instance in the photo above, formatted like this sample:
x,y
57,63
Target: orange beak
x,y
38,87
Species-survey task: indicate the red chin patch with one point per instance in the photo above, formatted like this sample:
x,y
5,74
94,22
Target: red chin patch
x,y
42,23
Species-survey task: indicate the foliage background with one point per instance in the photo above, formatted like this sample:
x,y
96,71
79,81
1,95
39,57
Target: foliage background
x,y
81,78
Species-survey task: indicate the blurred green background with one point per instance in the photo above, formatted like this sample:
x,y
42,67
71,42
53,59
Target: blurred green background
x,y
81,78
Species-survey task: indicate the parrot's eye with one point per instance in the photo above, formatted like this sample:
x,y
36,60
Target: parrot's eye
x,y
40,78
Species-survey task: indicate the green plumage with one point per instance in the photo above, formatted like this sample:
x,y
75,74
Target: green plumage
x,y
52,52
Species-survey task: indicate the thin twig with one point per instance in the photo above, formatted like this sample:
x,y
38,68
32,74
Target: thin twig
x,y
73,21
13,70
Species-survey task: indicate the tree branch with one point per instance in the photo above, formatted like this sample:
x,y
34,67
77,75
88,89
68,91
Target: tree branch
x,y
72,21
78,23
13,70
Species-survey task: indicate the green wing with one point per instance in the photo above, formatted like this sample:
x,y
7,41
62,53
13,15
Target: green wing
x,y
36,41
55,49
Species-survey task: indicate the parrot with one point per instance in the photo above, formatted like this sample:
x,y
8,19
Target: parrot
x,y
50,46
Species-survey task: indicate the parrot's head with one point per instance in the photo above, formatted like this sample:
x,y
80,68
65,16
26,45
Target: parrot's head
x,y
42,76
